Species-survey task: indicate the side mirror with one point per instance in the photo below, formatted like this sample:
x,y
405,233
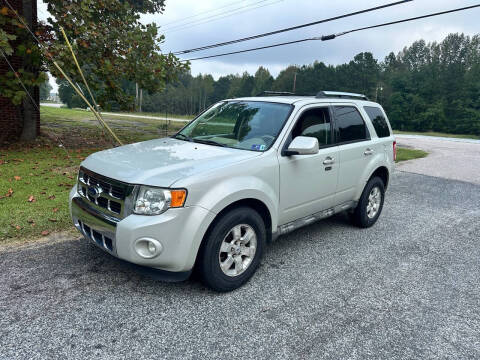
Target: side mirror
x,y
302,145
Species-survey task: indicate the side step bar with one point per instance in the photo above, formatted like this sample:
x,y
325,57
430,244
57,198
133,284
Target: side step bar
x,y
307,220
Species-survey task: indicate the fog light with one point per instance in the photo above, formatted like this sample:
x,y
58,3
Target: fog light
x,y
148,248
151,248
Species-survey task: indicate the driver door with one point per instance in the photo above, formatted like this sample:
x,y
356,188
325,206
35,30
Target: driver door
x,y
308,182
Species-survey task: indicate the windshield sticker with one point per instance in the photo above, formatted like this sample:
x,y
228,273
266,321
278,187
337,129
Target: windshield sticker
x,y
257,147
262,147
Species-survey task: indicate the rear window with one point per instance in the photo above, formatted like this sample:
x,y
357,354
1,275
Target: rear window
x,y
349,125
378,120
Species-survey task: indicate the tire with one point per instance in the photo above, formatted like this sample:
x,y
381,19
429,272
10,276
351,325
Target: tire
x,y
223,245
369,206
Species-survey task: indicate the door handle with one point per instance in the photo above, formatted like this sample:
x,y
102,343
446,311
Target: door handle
x,y
368,152
328,161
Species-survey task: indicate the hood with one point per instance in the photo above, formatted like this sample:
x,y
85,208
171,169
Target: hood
x,y
161,162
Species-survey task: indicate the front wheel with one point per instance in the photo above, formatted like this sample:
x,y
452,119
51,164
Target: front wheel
x,y
370,204
232,250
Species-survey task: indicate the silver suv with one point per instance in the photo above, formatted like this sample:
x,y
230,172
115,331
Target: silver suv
x,y
240,174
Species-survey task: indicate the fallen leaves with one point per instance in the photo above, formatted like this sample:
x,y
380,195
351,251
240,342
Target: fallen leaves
x,y
17,177
31,199
45,232
51,197
52,220
55,210
8,194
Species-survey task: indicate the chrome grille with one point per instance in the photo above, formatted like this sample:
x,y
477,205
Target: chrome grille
x,y
103,240
104,193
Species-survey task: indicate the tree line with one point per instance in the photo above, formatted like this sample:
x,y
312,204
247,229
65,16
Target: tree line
x,y
425,87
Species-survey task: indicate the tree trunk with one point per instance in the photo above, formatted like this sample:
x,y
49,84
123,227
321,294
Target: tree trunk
x,y
29,113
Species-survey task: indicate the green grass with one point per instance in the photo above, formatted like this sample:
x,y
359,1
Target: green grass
x,y
439,134
158,114
46,172
404,154
79,128
53,113
78,114
44,175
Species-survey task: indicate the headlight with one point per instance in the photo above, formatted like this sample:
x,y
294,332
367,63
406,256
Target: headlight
x,y
154,201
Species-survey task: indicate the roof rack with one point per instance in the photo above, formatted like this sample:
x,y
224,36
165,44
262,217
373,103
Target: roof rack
x,y
276,93
339,94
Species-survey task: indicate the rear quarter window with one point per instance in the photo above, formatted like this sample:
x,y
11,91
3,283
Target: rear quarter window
x,y
378,120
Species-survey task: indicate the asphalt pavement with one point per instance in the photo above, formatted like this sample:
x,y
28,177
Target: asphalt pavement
x,y
450,158
409,287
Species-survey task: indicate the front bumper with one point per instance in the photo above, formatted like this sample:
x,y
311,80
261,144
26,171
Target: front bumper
x,y
180,231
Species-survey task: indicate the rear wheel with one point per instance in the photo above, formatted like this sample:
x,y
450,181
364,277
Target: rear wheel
x,y
232,250
370,204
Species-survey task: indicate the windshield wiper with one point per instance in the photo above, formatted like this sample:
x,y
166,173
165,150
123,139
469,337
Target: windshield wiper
x,y
183,137
209,142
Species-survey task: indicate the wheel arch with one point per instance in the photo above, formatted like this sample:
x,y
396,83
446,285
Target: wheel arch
x,y
383,173
253,203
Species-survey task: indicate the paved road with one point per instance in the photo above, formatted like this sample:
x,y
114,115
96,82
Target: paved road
x,y
407,288
147,117
55,105
457,159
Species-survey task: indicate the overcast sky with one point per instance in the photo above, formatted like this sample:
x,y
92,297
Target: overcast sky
x,y
193,23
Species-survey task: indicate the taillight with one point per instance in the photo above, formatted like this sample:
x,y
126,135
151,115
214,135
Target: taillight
x,y
394,151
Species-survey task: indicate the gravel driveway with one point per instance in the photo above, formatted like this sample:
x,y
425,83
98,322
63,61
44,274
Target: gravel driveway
x,y
407,288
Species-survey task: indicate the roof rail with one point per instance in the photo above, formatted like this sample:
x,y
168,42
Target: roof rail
x,y
339,94
276,93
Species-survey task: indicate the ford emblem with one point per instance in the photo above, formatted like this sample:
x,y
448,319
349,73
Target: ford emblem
x,y
94,191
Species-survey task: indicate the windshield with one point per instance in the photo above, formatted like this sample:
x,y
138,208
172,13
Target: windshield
x,y
247,125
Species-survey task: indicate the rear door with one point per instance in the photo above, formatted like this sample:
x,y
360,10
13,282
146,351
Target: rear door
x,y
355,149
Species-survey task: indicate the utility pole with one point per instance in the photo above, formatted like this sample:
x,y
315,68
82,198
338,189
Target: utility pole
x,y
294,81
376,92
136,96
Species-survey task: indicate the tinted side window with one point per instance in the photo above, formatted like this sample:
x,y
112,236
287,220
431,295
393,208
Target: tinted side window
x,y
349,124
378,120
314,123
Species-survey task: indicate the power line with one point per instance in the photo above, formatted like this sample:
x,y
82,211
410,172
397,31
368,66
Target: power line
x,y
218,17
405,20
333,36
168,28
254,49
203,12
291,28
